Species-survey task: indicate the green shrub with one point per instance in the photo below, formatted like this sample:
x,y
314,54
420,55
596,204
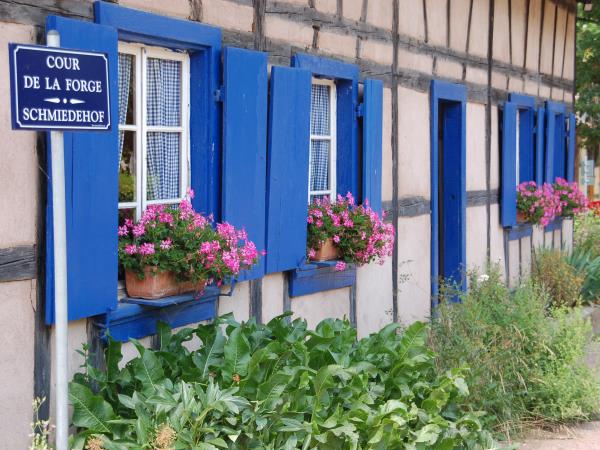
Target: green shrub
x,y
586,233
526,361
551,270
277,386
587,266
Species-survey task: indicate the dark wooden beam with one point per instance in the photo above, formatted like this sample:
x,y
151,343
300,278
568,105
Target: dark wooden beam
x,y
18,263
395,157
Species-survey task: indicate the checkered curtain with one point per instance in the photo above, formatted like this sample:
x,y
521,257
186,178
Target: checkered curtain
x,y
163,109
125,63
319,126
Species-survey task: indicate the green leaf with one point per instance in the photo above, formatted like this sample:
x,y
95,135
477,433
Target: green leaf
x,y
210,355
148,369
90,411
237,355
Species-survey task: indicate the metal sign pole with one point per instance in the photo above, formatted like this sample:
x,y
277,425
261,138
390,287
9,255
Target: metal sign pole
x,y
60,277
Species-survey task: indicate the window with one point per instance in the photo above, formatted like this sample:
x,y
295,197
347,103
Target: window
x,y
153,128
323,155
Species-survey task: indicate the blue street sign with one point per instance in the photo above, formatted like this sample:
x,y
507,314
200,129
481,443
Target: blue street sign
x,y
58,89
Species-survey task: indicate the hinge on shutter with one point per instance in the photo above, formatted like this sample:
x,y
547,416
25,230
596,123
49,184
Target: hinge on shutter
x,y
360,110
219,94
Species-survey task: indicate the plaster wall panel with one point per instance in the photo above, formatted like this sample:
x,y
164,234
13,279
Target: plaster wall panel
x,y
373,297
557,94
559,47
476,239
518,18
413,142
449,69
533,35
414,270
230,15
537,237
17,300
557,239
414,61
476,150
525,258
548,239
544,91
501,44
515,84
293,2
380,13
287,30
496,239
548,38
18,161
499,80
495,151
569,48
531,87
478,38
272,296
513,263
337,44
322,305
459,17
437,21
411,19
177,8
377,51
386,173
477,76
567,235
238,303
352,9
326,6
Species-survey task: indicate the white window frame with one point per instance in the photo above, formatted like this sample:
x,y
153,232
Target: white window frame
x,y
332,138
141,128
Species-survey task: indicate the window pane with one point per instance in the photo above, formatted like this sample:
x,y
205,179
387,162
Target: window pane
x,y
322,197
164,92
126,88
319,165
319,110
127,167
163,165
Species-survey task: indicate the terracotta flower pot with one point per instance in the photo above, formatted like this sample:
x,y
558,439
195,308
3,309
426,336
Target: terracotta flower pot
x,y
521,217
327,252
157,284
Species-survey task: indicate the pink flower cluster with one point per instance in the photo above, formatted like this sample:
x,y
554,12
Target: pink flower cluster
x,y
360,233
541,205
182,241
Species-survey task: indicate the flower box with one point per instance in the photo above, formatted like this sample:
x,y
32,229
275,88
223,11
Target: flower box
x,y
328,251
522,217
157,284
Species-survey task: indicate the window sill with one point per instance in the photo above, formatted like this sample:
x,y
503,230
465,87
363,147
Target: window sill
x,y
138,318
320,276
556,224
519,231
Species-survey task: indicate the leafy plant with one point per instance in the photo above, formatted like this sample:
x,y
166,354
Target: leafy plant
x,y
571,201
536,203
586,236
277,386
588,267
357,230
179,240
526,361
552,270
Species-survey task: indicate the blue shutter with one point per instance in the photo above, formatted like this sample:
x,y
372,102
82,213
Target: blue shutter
x,y
287,168
572,142
91,172
539,145
371,158
509,166
244,145
550,146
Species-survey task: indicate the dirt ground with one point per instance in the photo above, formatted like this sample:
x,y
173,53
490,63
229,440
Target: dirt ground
x,y
583,437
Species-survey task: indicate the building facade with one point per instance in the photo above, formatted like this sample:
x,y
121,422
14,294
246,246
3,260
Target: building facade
x,y
434,109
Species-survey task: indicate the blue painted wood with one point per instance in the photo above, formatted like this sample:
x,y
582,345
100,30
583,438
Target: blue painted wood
x,y
287,168
306,281
346,77
571,147
209,291
91,182
540,134
136,321
556,224
555,145
326,67
453,98
525,106
508,205
140,26
520,231
244,145
522,100
203,43
372,143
